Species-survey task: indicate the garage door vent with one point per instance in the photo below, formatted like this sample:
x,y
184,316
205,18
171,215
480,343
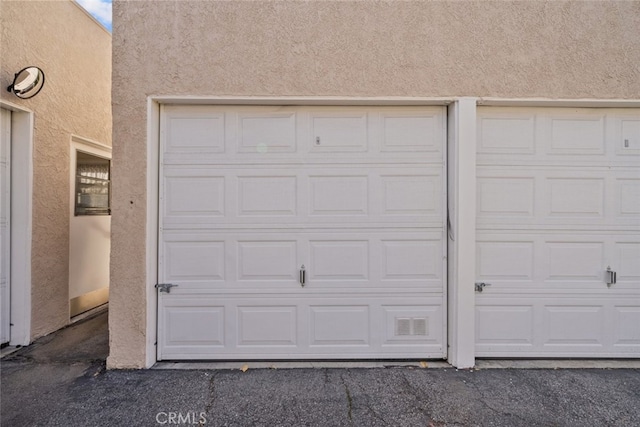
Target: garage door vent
x,y
411,326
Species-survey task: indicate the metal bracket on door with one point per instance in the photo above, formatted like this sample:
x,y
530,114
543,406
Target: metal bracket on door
x,y
165,287
480,286
303,276
610,276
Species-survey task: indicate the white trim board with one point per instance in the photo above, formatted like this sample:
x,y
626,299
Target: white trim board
x,y
461,194
558,103
91,144
398,100
301,100
153,203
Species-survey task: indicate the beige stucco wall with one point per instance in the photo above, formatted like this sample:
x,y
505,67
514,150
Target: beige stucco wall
x,y
74,52
349,49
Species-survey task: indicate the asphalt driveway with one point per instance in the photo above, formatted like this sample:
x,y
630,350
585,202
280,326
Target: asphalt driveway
x,y
61,381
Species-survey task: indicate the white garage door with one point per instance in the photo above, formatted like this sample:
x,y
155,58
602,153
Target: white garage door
x,y
558,203
248,195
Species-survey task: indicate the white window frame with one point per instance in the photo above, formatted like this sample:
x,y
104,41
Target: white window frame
x,y
93,148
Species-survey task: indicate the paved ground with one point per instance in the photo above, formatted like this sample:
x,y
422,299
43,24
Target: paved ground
x,y
61,381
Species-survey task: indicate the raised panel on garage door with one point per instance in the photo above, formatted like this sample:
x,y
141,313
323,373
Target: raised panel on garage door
x,y
250,195
556,193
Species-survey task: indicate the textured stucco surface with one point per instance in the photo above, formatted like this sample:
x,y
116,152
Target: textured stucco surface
x,y
75,54
348,49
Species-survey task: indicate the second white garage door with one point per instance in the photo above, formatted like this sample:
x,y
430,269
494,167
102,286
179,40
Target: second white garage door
x,y
250,195
558,203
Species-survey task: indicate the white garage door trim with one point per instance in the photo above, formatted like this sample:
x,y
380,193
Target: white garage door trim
x,y
22,125
5,225
462,145
384,155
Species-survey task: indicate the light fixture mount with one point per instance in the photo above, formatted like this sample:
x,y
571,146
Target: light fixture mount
x,y
27,82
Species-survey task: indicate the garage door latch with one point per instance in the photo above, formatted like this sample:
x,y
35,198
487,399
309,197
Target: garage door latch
x,y
480,286
165,287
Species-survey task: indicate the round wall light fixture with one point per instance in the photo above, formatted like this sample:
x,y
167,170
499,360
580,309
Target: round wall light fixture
x,y
27,82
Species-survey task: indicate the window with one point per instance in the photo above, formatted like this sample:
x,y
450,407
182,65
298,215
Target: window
x,y
93,185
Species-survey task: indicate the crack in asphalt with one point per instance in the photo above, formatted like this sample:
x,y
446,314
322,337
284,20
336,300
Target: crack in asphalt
x,y
212,393
481,398
349,399
416,394
367,405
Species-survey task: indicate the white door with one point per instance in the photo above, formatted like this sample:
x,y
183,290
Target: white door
x,y
248,195
5,226
558,203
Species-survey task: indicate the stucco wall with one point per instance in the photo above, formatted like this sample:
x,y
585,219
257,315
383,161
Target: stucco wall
x,y
359,49
74,52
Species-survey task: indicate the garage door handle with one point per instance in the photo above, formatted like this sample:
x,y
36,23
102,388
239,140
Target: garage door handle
x,y
480,286
611,277
303,276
